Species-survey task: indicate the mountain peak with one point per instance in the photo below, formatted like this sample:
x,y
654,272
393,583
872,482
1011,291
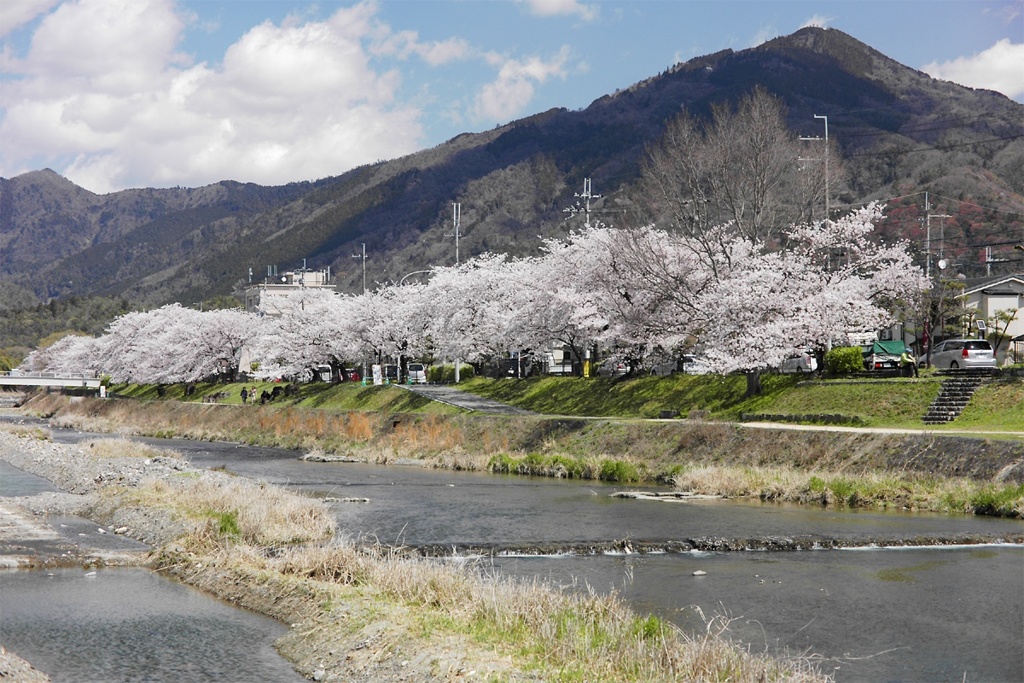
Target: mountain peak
x,y
49,178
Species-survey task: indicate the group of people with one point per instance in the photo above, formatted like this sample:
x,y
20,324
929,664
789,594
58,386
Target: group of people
x,y
249,396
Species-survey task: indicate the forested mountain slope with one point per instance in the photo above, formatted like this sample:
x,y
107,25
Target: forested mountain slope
x,y
900,133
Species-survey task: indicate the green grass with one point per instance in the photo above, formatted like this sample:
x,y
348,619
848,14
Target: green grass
x,y
996,405
888,403
883,402
646,397
873,401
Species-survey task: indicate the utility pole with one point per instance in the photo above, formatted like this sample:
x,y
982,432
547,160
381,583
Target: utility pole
x,y
814,139
928,235
362,256
585,207
826,164
456,222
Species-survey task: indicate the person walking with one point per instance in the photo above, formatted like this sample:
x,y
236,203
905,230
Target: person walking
x,y
245,396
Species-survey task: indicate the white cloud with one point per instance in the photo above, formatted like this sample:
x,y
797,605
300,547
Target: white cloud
x,y
998,68
103,97
554,8
763,36
17,13
817,21
404,44
502,99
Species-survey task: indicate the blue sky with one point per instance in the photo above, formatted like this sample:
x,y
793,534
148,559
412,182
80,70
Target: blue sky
x,y
157,93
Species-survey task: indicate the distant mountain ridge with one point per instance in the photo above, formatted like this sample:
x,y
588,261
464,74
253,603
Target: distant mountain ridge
x,y
901,133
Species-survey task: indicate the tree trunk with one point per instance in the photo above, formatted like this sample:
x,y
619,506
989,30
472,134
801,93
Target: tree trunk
x,y
753,383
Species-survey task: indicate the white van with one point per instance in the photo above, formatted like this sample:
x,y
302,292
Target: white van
x,y
417,373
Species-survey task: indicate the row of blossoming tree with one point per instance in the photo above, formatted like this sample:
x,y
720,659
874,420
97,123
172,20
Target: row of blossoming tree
x,y
636,294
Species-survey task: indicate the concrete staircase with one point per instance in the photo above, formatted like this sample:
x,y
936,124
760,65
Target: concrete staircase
x,y
957,390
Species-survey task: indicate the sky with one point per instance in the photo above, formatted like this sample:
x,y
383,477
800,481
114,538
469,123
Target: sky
x,y
115,94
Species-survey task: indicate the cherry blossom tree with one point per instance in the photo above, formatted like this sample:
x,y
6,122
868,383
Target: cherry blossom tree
x,y
833,279
747,305
314,329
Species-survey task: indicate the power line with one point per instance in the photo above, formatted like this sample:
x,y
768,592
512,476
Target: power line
x,y
886,200
987,208
937,148
925,126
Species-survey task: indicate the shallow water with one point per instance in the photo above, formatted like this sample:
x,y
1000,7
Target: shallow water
x,y
15,482
127,624
913,614
919,614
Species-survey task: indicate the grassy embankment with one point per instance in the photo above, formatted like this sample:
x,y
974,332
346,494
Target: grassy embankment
x,y
923,471
372,614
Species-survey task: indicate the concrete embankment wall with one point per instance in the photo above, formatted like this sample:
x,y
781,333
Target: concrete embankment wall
x,y
455,439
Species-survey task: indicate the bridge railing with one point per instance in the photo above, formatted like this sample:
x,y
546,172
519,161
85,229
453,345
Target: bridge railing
x,y
48,379
20,374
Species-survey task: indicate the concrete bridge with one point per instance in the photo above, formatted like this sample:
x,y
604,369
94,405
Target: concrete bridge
x,y
47,379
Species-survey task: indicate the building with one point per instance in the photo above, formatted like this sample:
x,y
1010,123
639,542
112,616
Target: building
x,y
985,298
271,296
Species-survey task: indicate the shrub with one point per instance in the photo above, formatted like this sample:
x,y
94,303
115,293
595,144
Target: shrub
x,y
844,359
617,470
445,374
502,463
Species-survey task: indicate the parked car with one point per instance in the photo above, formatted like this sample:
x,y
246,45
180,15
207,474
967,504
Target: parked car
x,y
694,365
612,369
417,373
883,355
963,353
800,363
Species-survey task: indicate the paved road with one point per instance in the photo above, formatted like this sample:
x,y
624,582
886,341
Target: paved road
x,y
875,430
463,399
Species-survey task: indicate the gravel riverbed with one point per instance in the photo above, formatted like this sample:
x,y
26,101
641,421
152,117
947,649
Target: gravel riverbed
x,y
316,649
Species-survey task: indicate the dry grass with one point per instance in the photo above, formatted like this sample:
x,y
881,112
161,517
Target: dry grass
x,y
125,448
228,509
901,490
561,636
429,434
40,433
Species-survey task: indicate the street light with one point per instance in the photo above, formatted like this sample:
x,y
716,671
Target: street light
x,y
415,272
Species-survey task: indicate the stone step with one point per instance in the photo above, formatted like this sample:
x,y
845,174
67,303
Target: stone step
x,y
955,394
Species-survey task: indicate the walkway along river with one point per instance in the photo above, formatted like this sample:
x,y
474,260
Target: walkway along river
x,y
908,612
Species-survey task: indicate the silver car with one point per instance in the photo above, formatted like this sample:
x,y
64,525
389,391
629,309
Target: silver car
x,y
963,353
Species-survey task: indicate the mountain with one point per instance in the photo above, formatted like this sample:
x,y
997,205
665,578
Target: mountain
x,y
901,134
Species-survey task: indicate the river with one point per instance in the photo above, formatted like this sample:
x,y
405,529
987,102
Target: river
x,y
867,614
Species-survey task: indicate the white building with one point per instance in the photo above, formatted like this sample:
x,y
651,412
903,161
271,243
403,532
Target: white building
x,y
271,296
988,297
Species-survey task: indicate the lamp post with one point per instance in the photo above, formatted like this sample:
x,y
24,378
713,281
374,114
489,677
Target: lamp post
x,y
415,272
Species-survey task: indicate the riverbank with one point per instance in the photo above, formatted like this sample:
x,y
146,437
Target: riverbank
x,y
925,471
365,613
